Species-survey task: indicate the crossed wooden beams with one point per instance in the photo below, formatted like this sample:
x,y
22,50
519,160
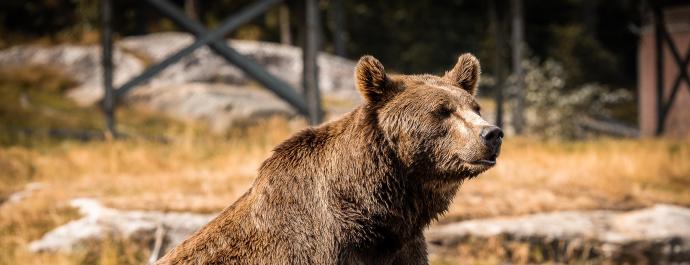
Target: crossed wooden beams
x,y
662,36
309,107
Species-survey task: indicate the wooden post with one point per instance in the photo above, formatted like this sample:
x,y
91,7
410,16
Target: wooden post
x,y
108,104
518,42
310,71
659,54
494,28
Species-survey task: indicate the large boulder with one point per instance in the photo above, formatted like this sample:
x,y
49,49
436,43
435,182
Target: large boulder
x,y
219,105
284,61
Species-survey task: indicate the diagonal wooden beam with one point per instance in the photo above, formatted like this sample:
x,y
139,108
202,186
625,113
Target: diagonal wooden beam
x,y
226,26
681,63
251,68
662,35
676,83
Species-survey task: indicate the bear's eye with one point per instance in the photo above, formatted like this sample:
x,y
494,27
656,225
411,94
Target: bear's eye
x,y
477,109
444,111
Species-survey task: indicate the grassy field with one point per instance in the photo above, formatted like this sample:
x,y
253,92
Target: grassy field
x,y
192,170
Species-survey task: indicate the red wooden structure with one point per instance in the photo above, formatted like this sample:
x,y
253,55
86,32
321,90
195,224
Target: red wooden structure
x,y
664,82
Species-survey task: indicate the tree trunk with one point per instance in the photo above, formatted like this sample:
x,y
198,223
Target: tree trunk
x,y
284,20
494,28
190,9
518,49
590,16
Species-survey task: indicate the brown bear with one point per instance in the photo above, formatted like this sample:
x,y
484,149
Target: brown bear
x,y
361,189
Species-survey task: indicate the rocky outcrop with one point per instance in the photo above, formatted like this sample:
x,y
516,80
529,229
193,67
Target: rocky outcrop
x,y
285,62
99,222
660,234
219,105
199,86
81,63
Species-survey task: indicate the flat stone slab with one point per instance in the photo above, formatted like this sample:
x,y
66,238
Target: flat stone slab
x,y
657,233
99,222
219,105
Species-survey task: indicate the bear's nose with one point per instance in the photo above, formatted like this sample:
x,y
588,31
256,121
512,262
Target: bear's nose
x,y
492,135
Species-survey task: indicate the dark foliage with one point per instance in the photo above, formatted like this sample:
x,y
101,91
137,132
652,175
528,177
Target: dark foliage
x,y
593,39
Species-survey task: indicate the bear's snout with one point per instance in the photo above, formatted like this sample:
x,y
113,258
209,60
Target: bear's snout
x,y
493,137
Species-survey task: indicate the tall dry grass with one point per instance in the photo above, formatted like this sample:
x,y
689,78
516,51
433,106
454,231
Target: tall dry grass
x,y
533,176
203,173
191,172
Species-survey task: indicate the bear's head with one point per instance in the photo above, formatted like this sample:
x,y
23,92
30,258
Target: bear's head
x,y
432,123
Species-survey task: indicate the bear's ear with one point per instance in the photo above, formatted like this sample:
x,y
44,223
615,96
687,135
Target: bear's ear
x,y
466,73
371,79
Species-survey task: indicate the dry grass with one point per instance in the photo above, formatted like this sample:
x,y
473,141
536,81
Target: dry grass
x,y
193,172
205,173
502,250
533,176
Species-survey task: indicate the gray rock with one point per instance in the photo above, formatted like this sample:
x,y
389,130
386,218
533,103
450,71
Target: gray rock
x,y
82,63
221,106
99,222
658,233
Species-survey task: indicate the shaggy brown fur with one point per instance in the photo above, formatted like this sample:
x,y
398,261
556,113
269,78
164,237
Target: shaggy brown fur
x,y
359,190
